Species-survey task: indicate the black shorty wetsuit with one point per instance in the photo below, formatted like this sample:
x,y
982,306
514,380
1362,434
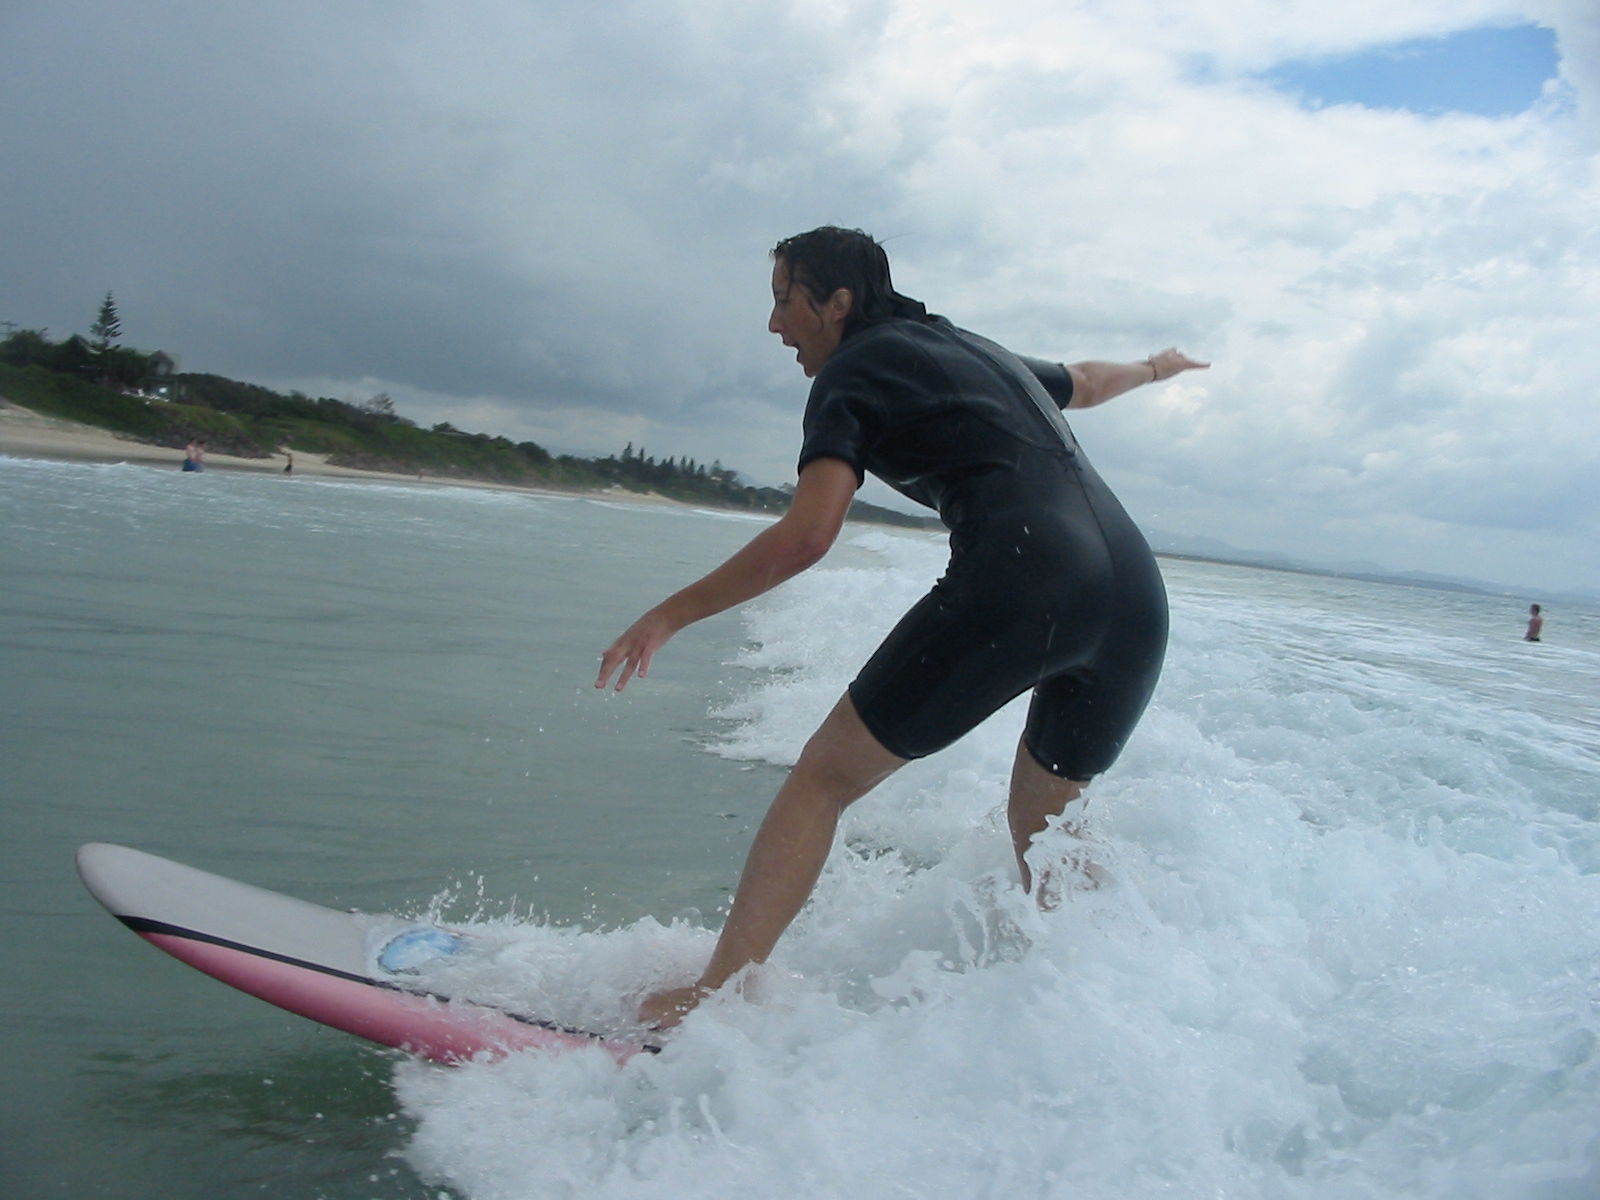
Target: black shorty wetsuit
x,y
1050,585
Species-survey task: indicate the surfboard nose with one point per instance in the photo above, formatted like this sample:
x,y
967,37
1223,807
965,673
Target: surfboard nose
x,y
102,866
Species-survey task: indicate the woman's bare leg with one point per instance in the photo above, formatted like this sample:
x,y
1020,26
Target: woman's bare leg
x,y
1036,796
841,763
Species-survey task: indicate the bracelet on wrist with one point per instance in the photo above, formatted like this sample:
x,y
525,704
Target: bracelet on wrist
x,y
1155,373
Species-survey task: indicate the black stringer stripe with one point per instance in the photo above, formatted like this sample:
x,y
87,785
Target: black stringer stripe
x,y
146,925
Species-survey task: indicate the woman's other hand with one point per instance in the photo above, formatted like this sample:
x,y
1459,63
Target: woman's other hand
x,y
633,651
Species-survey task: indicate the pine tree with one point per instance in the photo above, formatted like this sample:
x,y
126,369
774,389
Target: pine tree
x,y
107,327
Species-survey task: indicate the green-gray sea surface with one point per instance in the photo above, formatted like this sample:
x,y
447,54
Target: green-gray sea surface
x,y
359,694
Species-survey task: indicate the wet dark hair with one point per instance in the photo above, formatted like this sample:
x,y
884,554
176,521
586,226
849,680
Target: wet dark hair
x,y
829,258
1533,608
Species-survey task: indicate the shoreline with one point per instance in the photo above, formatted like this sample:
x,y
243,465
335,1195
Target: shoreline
x,y
27,434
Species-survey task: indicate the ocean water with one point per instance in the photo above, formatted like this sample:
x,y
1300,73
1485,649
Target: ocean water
x,y
1347,946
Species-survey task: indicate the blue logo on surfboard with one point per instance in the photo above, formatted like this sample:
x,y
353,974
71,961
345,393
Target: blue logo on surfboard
x,y
416,948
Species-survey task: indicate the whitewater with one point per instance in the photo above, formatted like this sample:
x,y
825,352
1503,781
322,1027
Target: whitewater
x,y
1347,947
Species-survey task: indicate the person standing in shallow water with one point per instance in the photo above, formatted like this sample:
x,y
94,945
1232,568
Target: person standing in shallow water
x,y
1050,587
1535,624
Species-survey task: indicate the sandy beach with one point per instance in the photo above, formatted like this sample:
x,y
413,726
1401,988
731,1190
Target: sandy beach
x,y
27,434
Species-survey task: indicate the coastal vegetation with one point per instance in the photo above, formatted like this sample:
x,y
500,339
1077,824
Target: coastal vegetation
x,y
143,396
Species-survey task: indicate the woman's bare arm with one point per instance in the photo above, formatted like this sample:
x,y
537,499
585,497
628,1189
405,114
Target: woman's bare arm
x,y
1096,382
779,552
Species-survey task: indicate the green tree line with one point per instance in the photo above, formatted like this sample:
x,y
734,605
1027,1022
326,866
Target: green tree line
x,y
142,395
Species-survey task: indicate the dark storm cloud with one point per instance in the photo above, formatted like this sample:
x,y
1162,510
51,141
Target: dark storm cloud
x,y
527,201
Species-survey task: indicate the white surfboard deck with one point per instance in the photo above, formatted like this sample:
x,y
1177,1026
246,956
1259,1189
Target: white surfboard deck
x,y
352,971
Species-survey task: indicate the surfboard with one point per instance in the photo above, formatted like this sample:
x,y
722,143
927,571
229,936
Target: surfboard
x,y
358,972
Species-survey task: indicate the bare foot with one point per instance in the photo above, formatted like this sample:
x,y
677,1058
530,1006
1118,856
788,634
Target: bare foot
x,y
663,1010
1075,872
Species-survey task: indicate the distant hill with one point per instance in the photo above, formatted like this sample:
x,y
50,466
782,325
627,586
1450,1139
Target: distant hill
x,y
1208,549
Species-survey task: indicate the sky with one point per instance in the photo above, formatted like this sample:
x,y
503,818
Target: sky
x,y
550,220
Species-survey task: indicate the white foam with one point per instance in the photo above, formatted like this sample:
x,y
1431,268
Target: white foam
x,y
1349,948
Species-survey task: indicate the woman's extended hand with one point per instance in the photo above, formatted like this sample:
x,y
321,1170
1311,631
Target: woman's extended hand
x,y
635,648
1172,361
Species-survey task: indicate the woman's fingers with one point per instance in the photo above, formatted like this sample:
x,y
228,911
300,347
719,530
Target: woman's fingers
x,y
608,664
619,655
1171,361
632,652
636,663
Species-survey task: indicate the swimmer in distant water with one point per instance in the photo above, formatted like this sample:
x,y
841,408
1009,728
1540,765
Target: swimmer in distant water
x,y
1535,624
194,455
1050,588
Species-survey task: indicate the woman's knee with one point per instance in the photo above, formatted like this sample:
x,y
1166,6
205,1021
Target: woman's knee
x,y
842,758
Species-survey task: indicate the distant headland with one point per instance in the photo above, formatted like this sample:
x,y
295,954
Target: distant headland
x,y
141,396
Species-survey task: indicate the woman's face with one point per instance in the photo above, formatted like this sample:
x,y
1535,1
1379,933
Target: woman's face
x,y
812,330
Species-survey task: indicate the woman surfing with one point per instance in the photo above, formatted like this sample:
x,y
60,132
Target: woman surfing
x,y
1050,587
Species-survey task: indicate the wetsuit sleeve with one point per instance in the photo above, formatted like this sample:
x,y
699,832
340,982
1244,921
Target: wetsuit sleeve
x,y
1056,378
843,420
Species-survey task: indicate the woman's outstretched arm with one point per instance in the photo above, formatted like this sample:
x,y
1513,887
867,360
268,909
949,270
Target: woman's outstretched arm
x,y
1096,382
803,535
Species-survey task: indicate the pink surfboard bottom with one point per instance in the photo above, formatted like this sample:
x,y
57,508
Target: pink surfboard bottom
x,y
443,1031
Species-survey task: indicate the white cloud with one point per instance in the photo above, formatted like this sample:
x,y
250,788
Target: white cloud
x,y
553,219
